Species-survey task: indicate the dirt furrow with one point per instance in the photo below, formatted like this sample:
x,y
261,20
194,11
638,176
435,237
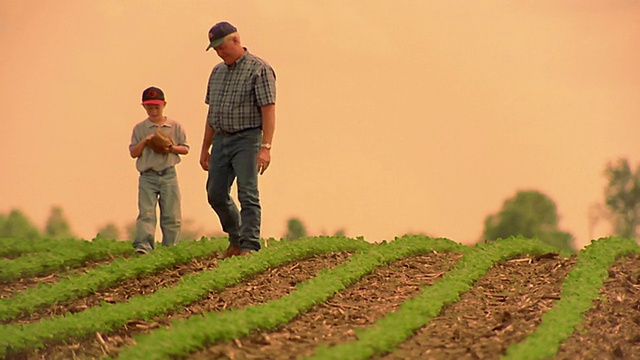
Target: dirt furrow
x,y
611,329
8,289
124,290
502,308
335,320
260,288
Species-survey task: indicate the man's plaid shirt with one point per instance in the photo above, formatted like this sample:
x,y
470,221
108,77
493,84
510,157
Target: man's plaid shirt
x,y
235,93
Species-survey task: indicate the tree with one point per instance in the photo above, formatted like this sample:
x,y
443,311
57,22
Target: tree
x,y
57,226
529,214
558,239
109,231
622,198
295,229
17,225
3,222
189,231
131,230
340,232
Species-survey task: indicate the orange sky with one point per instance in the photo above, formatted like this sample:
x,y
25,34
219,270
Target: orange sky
x,y
392,116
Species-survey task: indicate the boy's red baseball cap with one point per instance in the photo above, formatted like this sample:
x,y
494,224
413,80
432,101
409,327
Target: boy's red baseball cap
x,y
153,95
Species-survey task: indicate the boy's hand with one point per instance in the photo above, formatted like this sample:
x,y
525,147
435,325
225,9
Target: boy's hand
x,y
160,142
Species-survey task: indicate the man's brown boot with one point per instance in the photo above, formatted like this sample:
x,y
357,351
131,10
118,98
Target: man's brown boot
x,y
232,250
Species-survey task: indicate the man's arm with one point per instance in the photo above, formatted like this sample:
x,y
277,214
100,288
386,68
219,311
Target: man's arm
x,y
268,128
268,123
206,145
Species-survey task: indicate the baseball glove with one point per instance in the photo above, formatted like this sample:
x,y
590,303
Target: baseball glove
x,y
160,142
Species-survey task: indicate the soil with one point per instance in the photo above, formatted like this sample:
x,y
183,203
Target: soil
x,y
501,308
8,289
612,327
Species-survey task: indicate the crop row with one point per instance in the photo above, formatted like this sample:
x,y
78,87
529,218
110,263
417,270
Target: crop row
x,y
104,276
107,317
39,257
185,336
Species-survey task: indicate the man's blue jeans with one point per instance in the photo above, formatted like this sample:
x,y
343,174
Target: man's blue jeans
x,y
153,188
235,156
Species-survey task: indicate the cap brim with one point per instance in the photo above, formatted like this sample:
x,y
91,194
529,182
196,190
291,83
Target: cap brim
x,y
154,102
215,43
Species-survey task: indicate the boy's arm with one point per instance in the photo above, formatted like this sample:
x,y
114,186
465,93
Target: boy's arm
x,y
136,150
180,146
179,149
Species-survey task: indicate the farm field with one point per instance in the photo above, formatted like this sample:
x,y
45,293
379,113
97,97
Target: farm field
x,y
320,298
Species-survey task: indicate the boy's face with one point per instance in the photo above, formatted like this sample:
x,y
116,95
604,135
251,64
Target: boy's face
x,y
154,110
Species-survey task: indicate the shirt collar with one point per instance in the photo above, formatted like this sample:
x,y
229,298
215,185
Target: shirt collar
x,y
240,59
151,124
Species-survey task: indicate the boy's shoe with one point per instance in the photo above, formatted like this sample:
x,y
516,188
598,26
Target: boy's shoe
x,y
232,250
141,251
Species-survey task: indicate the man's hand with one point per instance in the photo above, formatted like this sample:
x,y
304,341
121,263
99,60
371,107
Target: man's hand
x,y
264,159
204,160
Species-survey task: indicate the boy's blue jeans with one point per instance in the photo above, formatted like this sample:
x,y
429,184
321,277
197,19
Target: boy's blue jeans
x,y
234,157
156,187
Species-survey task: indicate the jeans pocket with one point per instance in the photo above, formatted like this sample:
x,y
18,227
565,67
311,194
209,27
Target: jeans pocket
x,y
251,137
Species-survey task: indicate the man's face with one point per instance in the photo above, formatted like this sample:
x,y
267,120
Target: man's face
x,y
225,50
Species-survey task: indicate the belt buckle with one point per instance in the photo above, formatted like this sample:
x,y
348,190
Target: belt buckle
x,y
159,173
164,171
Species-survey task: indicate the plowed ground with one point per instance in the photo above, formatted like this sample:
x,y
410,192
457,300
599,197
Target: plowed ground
x,y
502,308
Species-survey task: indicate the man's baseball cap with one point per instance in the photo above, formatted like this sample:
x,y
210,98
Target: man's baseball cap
x,y
153,95
218,32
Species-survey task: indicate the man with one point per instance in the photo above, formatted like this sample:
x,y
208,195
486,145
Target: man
x,y
241,95
158,180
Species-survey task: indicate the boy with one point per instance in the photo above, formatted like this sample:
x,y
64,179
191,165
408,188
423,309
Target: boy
x,y
158,180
